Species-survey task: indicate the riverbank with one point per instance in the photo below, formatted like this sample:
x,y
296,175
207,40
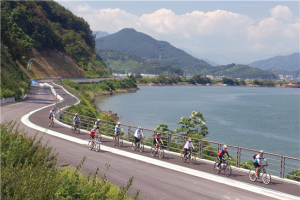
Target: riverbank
x,y
89,92
220,84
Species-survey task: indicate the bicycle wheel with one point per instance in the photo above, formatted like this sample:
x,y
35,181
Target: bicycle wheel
x,y
215,168
161,153
227,170
183,159
115,141
266,177
120,142
52,124
252,175
141,147
133,146
152,151
90,147
97,146
193,159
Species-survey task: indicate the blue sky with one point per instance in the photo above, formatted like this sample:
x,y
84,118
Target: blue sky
x,y
224,32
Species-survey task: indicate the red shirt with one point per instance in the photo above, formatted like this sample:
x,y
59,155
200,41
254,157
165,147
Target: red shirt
x,y
92,133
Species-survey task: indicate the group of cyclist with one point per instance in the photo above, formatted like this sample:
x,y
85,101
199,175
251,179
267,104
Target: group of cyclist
x,y
257,158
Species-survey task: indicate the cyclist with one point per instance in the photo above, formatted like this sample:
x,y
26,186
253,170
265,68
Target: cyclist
x,y
221,154
76,120
156,140
52,114
138,133
187,146
117,129
92,134
98,125
257,161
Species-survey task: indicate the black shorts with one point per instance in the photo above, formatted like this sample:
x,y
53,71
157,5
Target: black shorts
x,y
92,137
256,165
50,117
154,142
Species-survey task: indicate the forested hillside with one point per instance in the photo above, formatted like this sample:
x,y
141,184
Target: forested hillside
x,y
140,44
121,62
290,63
63,42
240,71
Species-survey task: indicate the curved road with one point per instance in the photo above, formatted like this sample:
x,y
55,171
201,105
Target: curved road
x,y
153,181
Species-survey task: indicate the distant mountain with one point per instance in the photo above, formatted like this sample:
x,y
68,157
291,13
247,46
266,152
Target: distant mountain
x,y
130,41
211,62
100,34
289,63
121,62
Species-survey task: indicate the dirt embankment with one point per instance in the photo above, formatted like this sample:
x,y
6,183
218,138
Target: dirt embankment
x,y
52,63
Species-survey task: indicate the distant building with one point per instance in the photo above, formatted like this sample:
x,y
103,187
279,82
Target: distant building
x,y
217,77
210,76
189,76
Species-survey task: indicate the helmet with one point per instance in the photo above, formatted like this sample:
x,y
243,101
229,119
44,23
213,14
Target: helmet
x,y
119,123
76,114
261,151
140,127
225,146
190,139
157,133
98,120
94,126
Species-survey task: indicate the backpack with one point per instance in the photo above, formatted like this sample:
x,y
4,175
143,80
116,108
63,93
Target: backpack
x,y
255,155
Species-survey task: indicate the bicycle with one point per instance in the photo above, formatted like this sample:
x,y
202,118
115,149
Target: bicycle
x,y
160,151
266,176
118,140
75,129
96,145
51,122
190,156
224,166
139,145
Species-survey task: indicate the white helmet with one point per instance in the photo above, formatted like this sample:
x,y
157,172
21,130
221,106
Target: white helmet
x,y
190,139
261,151
119,123
76,114
157,133
98,120
140,127
225,146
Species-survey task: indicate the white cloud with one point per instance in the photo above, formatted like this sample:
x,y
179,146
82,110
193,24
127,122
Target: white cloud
x,y
282,13
202,32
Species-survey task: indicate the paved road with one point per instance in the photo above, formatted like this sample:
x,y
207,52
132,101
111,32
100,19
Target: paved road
x,y
155,182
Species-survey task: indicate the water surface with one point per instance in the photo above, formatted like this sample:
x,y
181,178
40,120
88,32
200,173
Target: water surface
x,y
251,117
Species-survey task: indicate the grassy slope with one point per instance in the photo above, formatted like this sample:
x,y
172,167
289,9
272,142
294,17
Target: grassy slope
x,y
14,81
28,171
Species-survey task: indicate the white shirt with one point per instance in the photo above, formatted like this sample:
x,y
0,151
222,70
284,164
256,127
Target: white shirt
x,y
188,145
138,133
260,158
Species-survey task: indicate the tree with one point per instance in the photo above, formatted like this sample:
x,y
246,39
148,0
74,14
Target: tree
x,y
195,124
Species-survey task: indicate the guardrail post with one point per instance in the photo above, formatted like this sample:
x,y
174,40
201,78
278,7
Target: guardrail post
x,y
67,118
128,135
282,166
219,147
106,128
88,123
238,157
200,149
169,141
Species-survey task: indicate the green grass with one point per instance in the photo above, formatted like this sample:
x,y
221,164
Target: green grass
x,y
28,171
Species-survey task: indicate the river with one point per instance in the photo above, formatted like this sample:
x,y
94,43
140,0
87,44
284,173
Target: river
x,y
251,117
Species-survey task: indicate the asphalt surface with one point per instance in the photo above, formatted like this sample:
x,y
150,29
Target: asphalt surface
x,y
153,181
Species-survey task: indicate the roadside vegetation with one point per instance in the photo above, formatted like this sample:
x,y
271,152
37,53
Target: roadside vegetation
x,y
29,171
88,93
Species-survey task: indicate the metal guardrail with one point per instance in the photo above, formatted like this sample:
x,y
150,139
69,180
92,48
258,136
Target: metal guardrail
x,y
279,165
